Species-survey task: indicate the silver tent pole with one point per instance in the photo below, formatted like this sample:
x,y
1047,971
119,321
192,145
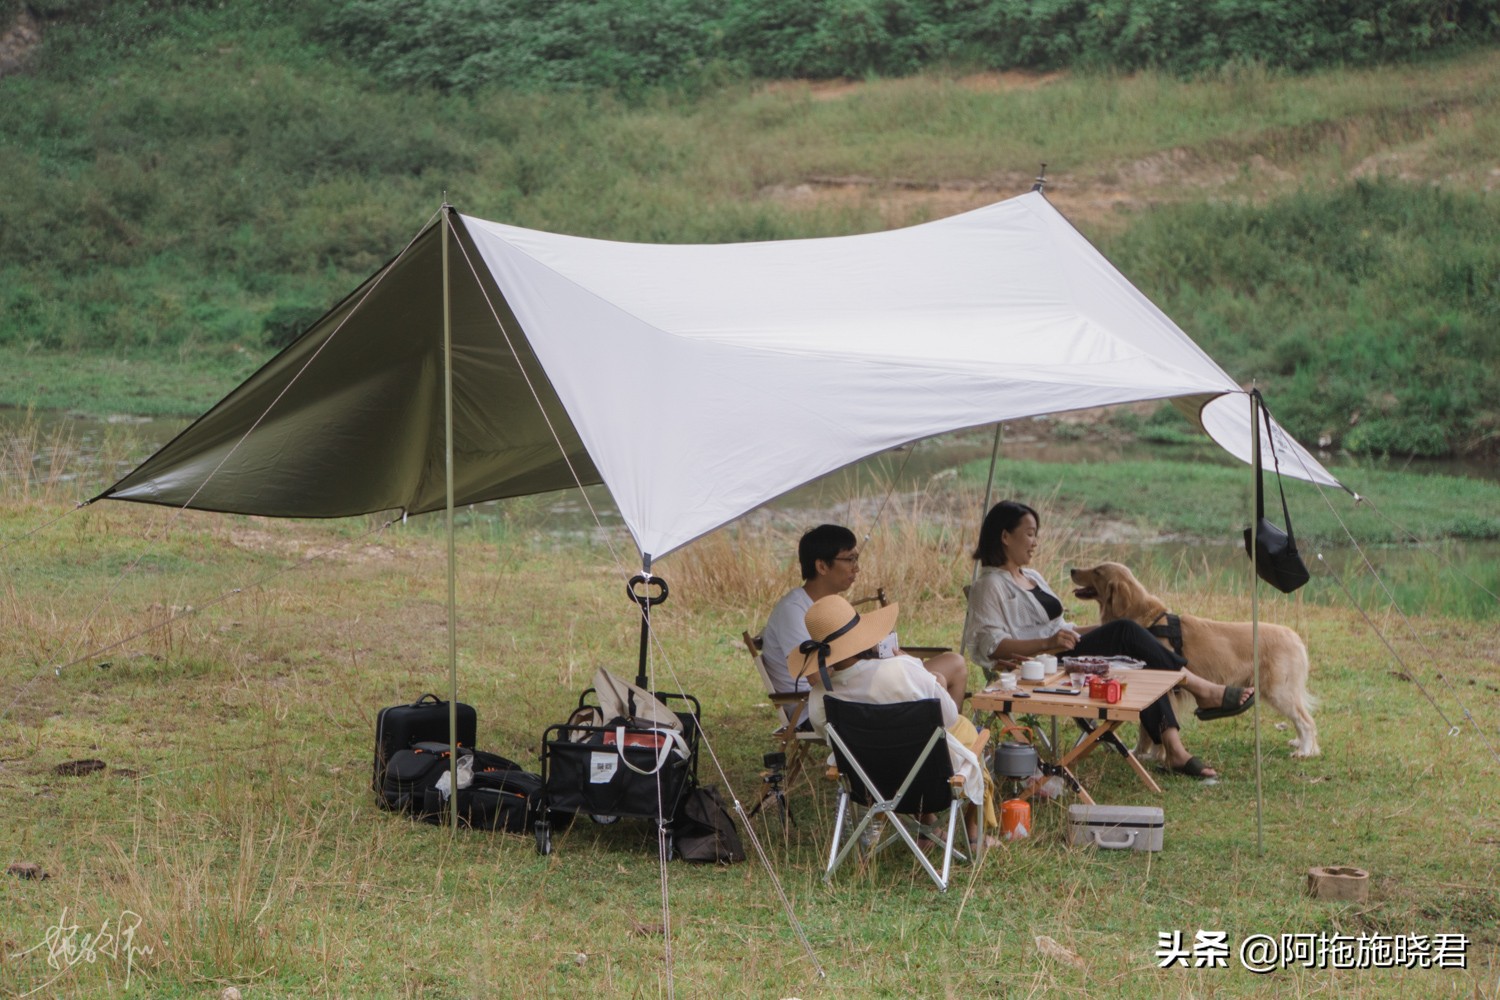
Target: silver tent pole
x,y
1260,845
448,486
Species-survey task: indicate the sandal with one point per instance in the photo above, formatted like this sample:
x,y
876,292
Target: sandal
x,y
1193,767
1233,704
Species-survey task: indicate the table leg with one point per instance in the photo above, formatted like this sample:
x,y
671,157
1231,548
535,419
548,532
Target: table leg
x,y
1106,734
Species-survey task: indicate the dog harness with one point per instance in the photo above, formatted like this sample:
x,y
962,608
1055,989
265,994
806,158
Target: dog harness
x,y
1171,631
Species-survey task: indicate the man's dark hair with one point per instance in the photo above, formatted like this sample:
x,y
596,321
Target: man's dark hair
x,y
824,542
1004,516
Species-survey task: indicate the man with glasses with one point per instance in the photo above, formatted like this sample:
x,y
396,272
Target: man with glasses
x,y
830,565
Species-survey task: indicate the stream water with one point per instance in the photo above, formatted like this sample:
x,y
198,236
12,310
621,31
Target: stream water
x,y
96,452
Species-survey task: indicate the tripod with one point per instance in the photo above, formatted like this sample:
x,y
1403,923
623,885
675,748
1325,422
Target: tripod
x,y
773,793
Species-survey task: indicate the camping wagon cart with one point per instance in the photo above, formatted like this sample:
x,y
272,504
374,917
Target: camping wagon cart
x,y
616,758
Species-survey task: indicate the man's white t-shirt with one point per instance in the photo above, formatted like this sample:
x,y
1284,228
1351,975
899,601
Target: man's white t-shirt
x,y
786,629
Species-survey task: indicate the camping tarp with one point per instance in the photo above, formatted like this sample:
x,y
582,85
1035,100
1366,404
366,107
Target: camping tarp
x,y
696,381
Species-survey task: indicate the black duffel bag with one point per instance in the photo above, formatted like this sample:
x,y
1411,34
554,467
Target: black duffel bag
x,y
500,796
410,774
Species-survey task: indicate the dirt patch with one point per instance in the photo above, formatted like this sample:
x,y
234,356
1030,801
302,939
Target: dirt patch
x,y
18,42
984,83
1256,165
290,545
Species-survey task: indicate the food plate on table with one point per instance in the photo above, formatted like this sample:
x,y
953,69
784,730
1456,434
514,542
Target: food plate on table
x,y
1099,665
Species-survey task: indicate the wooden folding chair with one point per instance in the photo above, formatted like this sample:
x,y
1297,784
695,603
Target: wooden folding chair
x,y
795,744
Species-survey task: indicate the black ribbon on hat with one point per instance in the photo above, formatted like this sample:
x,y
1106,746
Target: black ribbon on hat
x,y
823,648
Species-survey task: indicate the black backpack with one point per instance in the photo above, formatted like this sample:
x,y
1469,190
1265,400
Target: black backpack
x,y
410,774
501,796
705,829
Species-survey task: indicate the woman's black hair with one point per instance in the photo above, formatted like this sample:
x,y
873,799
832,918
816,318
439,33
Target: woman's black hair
x,y
1004,516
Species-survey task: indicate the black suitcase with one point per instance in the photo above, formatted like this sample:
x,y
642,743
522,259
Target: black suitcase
x,y
424,720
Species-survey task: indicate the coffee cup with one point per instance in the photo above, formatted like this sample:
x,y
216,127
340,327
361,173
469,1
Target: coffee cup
x,y
1033,670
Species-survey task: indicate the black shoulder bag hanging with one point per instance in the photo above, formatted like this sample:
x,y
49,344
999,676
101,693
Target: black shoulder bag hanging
x,y
1275,551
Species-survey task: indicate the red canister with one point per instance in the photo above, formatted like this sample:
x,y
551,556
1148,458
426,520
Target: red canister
x,y
1096,687
1111,691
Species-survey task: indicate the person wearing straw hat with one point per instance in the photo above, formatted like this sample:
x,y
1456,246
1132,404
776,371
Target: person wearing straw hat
x,y
829,559
840,658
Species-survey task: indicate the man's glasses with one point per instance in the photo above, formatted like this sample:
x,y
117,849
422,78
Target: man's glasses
x,y
848,559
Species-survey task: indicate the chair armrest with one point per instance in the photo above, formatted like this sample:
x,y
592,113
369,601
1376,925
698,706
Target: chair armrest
x,y
923,652
788,698
981,743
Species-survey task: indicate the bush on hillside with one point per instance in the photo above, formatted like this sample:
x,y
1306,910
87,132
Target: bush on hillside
x,y
466,44
627,44
1204,35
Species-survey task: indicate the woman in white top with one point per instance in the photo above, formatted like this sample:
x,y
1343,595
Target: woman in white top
x,y
840,658
1013,614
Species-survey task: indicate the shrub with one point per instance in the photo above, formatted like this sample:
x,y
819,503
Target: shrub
x,y
285,323
1204,35
462,45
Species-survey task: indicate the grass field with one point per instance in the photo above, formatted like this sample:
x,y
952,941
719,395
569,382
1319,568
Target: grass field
x,y
232,826
1315,233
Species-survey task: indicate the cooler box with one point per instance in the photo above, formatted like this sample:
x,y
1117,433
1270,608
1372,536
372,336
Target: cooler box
x,y
1136,828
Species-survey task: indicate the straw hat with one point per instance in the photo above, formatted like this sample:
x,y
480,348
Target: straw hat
x,y
838,632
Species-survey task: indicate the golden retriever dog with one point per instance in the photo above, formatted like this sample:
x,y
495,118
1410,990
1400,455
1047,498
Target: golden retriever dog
x,y
1218,651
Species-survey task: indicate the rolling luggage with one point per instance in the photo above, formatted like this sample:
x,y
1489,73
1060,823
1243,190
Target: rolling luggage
x,y
401,727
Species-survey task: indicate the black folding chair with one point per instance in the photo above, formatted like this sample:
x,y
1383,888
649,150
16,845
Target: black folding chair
x,y
893,760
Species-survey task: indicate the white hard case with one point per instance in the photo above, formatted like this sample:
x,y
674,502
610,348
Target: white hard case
x,y
1136,828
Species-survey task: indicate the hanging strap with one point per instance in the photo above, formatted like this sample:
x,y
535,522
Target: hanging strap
x,y
1260,503
669,741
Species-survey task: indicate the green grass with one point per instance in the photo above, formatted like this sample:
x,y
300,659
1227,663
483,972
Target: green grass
x,y
1199,497
180,226
235,819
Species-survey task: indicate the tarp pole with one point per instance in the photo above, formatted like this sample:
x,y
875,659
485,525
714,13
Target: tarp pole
x,y
989,488
1260,845
448,487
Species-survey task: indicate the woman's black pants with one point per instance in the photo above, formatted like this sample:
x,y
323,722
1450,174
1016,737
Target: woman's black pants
x,y
1127,638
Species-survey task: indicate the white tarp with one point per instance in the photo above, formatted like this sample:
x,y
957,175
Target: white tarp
x,y
705,380
696,382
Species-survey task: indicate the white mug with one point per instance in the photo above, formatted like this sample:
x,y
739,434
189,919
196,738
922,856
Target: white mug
x,y
1049,662
1033,670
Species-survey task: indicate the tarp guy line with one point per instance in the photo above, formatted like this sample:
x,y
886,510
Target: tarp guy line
x,y
644,611
537,398
1415,635
760,851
